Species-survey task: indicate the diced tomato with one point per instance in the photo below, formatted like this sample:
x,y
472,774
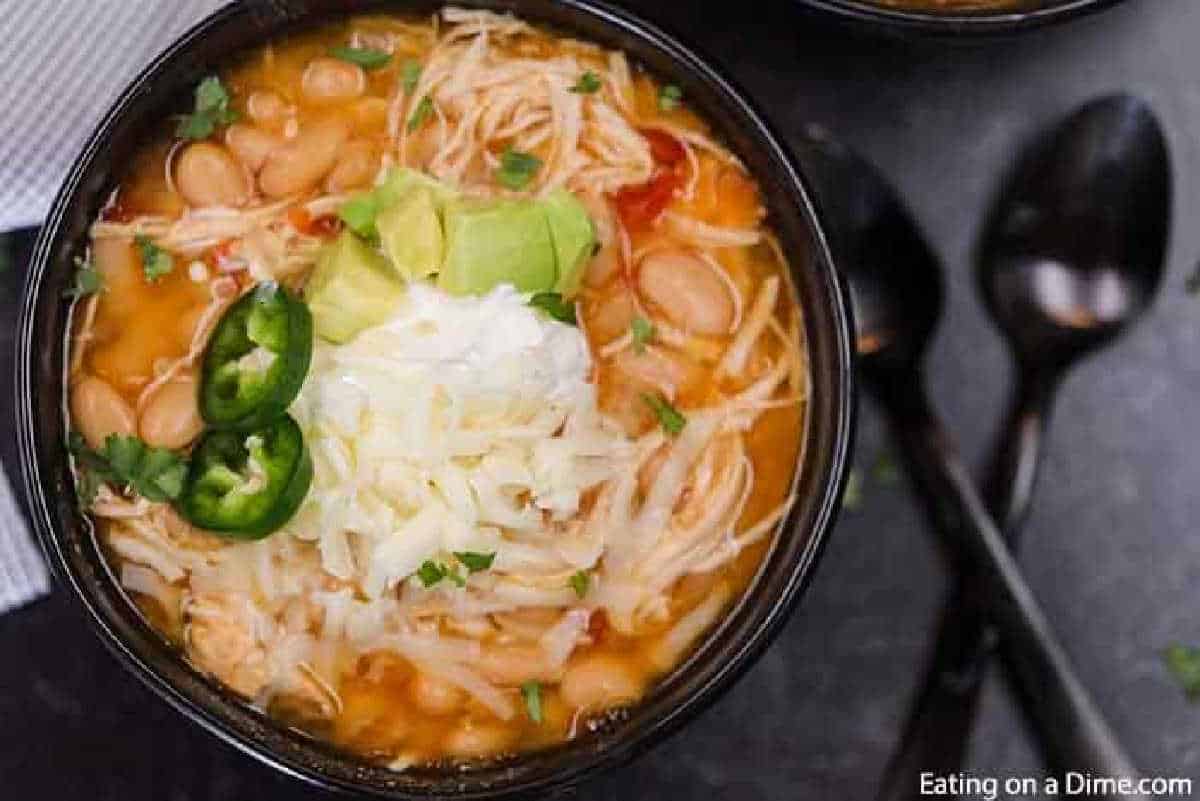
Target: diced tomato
x,y
666,149
598,625
325,225
299,218
219,256
639,206
305,223
117,212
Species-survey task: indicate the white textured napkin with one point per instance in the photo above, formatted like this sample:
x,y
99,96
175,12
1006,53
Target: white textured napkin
x,y
62,62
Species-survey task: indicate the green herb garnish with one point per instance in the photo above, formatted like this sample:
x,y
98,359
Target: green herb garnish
x,y
421,113
588,83
517,169
552,303
156,262
669,97
211,109
431,573
366,57
670,418
410,73
88,280
474,562
531,691
156,474
580,582
1184,663
642,331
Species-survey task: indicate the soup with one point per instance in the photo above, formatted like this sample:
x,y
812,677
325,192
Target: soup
x,y
435,384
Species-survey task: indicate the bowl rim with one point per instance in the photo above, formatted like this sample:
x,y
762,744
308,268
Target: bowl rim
x,y
826,496
980,22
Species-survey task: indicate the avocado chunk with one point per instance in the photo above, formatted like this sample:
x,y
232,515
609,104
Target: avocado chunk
x,y
410,233
497,242
351,288
573,236
402,180
362,211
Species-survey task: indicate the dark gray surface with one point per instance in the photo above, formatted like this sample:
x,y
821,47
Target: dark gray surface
x,y
1111,547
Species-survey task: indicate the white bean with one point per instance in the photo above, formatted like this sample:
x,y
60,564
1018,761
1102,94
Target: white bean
x,y
267,107
434,696
251,145
301,163
356,166
206,174
99,410
475,740
172,417
599,681
331,80
687,290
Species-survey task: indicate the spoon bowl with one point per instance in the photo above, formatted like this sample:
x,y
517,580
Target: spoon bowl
x,y
1074,250
896,287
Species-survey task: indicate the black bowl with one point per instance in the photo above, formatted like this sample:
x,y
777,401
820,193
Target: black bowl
x,y
1016,15
163,88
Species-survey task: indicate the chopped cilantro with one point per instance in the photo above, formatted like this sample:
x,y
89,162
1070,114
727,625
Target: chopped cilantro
x,y
517,169
1184,664
211,109
669,97
154,473
588,83
531,691
421,113
156,262
642,331
431,573
580,582
552,303
670,418
88,280
366,57
410,73
474,562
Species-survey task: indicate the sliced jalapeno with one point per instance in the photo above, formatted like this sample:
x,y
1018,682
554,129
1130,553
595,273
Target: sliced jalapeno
x,y
247,485
256,359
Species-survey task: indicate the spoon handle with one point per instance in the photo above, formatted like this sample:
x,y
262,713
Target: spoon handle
x,y
939,726
1064,711
1008,487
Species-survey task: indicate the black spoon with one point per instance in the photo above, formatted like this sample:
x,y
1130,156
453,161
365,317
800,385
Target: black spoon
x,y
1072,255
896,291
